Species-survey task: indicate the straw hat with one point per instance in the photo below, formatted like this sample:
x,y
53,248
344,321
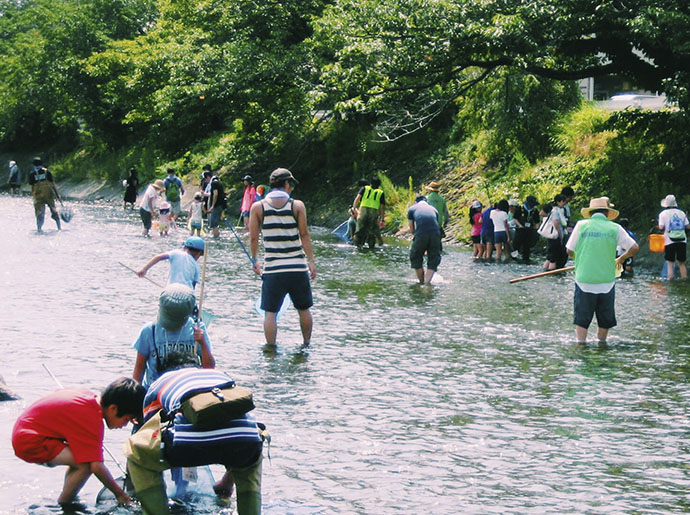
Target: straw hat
x,y
432,186
158,184
600,203
669,201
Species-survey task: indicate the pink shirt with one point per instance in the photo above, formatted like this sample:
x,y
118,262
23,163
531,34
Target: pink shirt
x,y
476,225
248,198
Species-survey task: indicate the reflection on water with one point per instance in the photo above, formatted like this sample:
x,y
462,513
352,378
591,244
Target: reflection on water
x,y
464,397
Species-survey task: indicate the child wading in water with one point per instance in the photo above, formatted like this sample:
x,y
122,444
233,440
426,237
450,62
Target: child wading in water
x,y
66,428
195,215
475,233
164,219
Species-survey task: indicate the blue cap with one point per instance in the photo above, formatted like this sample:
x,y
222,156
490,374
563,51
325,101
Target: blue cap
x,y
195,243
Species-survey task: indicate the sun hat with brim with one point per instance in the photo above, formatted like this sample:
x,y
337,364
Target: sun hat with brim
x,y
195,243
433,186
175,305
600,203
669,201
476,204
282,174
513,202
158,184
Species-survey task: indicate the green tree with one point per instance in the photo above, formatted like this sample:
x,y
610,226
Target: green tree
x,y
410,58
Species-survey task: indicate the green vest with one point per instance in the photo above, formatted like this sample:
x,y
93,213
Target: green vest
x,y
436,200
595,251
371,197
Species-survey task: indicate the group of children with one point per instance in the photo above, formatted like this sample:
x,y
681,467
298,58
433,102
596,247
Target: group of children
x,y
512,229
66,427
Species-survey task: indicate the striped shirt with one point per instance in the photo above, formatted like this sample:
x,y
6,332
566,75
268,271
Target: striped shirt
x,y
282,243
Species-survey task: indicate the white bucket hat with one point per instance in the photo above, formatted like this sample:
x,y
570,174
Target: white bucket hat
x,y
669,201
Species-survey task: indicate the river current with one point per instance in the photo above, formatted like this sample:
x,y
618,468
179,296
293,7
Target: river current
x,y
468,396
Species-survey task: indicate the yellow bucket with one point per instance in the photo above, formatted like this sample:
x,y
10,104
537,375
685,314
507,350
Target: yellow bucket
x,y
656,242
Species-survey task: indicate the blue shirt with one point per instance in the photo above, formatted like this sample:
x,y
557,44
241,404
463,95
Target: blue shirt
x,y
425,218
183,268
487,222
155,343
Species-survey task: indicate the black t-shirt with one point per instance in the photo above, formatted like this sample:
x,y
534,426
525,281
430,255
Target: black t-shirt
x,y
42,174
217,186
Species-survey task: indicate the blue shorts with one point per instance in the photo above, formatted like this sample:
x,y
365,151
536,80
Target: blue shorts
x,y
500,237
587,304
214,217
487,237
276,286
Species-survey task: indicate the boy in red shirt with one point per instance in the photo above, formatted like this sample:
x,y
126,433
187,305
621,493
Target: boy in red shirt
x,y
66,428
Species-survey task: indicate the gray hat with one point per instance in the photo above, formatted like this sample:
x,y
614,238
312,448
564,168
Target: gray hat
x,y
282,174
175,305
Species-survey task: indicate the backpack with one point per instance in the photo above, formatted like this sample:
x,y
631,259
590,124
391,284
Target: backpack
x,y
172,191
676,228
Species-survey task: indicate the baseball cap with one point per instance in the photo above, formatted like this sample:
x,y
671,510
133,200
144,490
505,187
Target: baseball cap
x,y
195,243
282,174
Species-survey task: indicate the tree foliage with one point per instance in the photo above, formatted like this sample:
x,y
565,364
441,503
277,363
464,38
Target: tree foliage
x,y
412,56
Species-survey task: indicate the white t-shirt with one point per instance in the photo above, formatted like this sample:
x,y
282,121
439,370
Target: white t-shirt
x,y
499,218
196,212
625,241
665,219
151,193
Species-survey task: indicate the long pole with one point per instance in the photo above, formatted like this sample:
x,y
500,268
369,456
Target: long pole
x,y
145,277
239,240
542,274
105,447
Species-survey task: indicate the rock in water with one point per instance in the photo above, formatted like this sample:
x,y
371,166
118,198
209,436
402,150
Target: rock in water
x,y
5,393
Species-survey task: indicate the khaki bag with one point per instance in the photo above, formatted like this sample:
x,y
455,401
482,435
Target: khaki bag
x,y
210,410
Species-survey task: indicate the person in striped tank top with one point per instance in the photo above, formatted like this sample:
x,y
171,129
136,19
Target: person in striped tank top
x,y
288,255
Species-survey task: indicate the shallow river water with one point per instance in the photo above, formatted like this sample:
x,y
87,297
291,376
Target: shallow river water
x,y
464,397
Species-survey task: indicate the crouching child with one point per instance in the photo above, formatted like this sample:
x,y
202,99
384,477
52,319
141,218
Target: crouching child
x,y
169,439
66,428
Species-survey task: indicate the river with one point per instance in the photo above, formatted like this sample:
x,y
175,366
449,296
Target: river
x,y
465,397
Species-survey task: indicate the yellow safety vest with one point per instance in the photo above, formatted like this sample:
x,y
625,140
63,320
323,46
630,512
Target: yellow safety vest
x,y
371,197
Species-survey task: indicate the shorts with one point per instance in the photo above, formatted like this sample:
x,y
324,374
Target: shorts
x,y
245,214
214,217
425,243
34,448
175,207
275,286
554,250
487,237
476,239
145,218
676,251
195,225
500,237
587,304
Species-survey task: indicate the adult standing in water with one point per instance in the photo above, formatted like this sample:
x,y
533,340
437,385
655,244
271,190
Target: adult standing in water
x,y
371,202
423,221
215,202
14,180
132,186
435,199
148,204
288,254
248,198
674,223
174,189
45,192
593,245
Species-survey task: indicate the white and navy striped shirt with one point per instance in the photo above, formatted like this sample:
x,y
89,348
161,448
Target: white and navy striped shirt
x,y
282,243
